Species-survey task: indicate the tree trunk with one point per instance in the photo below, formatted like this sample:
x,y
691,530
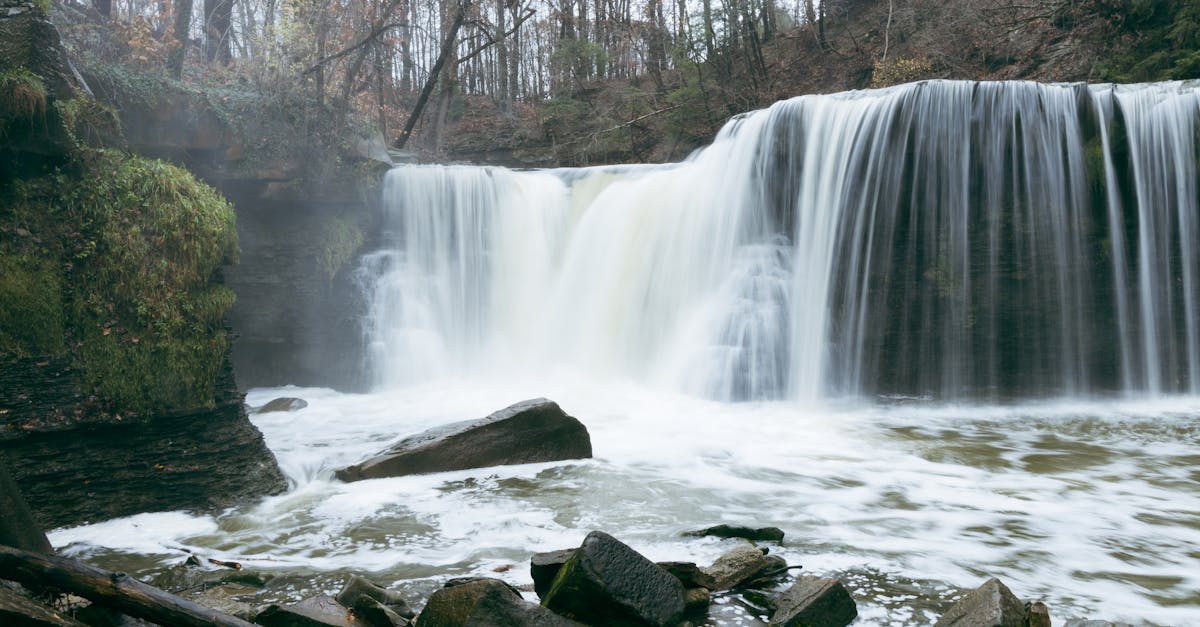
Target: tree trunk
x,y
183,21
116,590
218,19
443,56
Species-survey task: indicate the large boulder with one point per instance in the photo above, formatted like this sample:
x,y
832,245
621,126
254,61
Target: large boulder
x,y
530,431
814,602
485,603
989,605
608,583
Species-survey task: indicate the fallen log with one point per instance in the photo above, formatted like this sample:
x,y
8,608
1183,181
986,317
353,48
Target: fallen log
x,y
118,591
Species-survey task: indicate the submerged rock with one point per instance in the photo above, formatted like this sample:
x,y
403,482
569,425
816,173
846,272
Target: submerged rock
x,y
989,605
530,431
814,602
358,588
736,566
319,611
485,603
608,583
282,404
760,534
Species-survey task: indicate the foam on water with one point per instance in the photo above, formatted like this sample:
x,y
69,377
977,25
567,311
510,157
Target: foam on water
x,y
1094,507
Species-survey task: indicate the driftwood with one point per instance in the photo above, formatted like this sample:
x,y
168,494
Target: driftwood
x,y
118,591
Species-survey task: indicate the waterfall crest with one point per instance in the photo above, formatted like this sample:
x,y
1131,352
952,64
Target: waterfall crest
x,y
950,239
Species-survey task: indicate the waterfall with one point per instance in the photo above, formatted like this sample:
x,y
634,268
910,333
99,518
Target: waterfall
x,y
949,239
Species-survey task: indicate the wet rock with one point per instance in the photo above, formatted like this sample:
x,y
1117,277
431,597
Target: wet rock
x,y
485,603
226,598
358,588
17,609
462,581
760,534
1037,614
543,567
319,611
774,568
608,583
530,431
18,529
283,404
736,566
696,600
989,605
689,574
378,614
814,602
1094,623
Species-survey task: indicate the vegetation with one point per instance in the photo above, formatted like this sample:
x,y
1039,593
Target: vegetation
x,y
22,98
115,264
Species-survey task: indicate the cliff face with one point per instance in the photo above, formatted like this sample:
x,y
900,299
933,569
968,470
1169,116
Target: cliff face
x,y
76,463
115,391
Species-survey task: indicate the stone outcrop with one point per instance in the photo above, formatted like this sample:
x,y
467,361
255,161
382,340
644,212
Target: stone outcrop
x,y
527,432
76,463
989,605
319,611
814,602
608,583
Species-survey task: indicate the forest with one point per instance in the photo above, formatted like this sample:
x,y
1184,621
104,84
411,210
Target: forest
x,y
615,80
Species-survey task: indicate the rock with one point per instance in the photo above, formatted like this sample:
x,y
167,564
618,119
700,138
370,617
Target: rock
x,y
462,581
91,465
690,575
17,609
529,431
761,534
1094,623
736,566
357,588
608,583
319,611
225,598
814,602
18,529
543,567
774,567
696,600
1037,614
283,404
989,605
485,603
377,614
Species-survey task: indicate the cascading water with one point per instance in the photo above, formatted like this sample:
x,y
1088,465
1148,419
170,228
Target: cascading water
x,y
966,241
950,239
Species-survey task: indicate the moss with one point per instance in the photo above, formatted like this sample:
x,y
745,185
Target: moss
x,y
22,97
343,236
31,314
140,243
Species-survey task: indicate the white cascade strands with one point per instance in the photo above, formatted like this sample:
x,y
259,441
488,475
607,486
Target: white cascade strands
x,y
944,239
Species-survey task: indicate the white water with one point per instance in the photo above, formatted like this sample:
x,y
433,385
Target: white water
x,y
935,243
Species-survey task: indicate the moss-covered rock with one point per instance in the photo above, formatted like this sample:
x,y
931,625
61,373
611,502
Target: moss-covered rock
x,y
140,244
